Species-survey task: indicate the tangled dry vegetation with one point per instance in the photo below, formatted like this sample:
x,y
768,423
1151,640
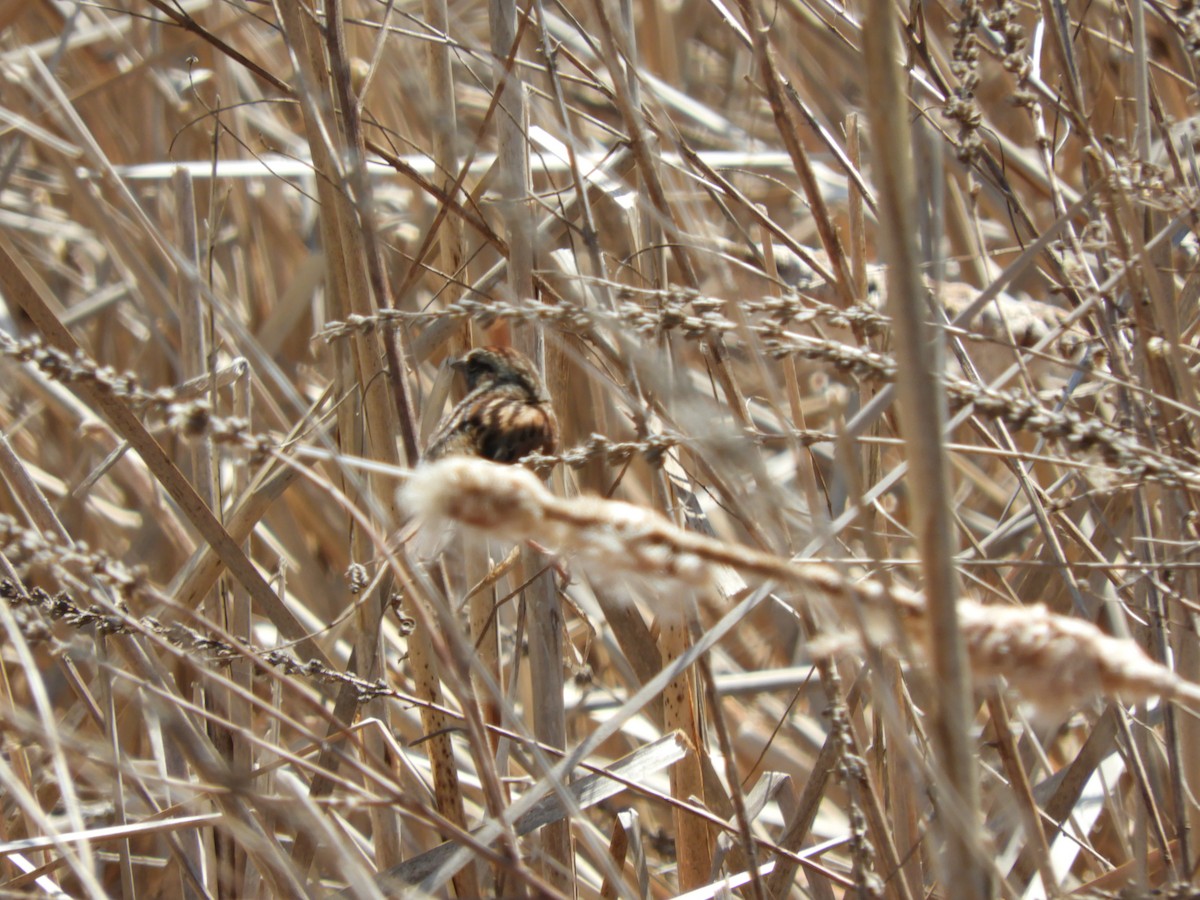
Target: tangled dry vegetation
x,y
812,601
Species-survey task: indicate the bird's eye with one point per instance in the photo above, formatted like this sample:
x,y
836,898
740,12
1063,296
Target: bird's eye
x,y
477,370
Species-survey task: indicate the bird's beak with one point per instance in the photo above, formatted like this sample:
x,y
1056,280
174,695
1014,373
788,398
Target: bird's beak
x,y
458,365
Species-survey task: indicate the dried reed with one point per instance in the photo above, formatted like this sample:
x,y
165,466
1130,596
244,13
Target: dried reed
x,y
239,241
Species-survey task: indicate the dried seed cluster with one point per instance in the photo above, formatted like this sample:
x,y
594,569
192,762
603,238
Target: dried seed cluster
x,y
1051,659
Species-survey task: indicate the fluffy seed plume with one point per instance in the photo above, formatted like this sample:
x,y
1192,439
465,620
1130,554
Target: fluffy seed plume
x,y
1061,661
1047,657
510,502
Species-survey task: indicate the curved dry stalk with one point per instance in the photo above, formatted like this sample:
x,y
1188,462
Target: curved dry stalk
x,y
1051,659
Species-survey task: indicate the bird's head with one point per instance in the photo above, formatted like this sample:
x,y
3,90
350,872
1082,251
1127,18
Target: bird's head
x,y
491,367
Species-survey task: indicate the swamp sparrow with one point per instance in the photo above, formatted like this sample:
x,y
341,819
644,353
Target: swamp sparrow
x,y
506,414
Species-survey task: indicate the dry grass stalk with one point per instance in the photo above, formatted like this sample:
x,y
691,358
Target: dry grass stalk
x,y
922,409
681,713
1051,659
194,557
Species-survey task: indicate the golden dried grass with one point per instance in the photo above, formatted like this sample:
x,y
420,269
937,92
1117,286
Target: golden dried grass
x,y
208,690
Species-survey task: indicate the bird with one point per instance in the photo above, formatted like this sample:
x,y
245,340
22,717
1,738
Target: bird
x,y
507,412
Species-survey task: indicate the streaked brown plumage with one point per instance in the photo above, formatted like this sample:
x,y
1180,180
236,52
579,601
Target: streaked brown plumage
x,y
506,414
